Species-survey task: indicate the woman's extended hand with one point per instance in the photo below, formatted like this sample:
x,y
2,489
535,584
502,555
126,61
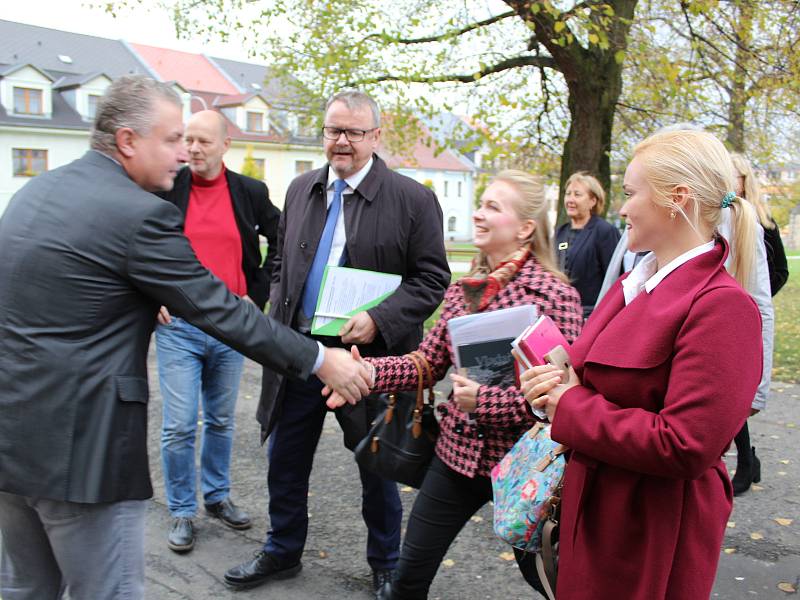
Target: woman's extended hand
x,y
465,392
335,400
543,386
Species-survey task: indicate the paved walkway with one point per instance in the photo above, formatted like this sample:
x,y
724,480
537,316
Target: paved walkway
x,y
763,552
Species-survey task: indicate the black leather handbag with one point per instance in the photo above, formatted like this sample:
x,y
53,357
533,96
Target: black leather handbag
x,y
401,441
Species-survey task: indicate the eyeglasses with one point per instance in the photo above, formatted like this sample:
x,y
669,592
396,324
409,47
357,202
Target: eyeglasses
x,y
352,135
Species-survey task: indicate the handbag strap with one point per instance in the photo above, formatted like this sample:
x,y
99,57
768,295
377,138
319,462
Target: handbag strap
x,y
546,560
416,428
429,383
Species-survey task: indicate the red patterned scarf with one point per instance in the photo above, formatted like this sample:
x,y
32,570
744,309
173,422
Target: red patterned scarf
x,y
481,287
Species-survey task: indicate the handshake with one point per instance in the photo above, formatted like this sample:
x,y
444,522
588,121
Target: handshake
x,y
347,376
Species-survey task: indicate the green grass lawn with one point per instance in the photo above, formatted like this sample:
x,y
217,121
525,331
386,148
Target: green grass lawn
x,y
786,359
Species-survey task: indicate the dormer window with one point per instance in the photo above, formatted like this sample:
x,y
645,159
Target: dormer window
x,y
27,101
255,121
91,105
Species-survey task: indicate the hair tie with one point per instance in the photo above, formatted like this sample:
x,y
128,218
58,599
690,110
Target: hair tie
x,y
728,199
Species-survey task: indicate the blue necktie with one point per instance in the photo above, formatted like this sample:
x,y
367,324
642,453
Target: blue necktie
x,y
314,280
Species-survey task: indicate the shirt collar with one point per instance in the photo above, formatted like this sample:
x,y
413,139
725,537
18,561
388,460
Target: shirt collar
x,y
355,179
646,275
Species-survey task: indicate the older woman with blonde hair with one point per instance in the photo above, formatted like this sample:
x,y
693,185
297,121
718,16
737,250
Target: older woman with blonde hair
x,y
479,423
586,242
664,374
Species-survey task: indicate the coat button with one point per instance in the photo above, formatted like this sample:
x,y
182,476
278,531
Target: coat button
x,y
459,429
286,302
303,245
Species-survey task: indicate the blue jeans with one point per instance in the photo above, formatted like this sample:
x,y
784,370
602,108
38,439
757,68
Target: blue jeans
x,y
191,365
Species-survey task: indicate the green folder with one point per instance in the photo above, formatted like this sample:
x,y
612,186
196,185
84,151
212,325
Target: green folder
x,y
332,327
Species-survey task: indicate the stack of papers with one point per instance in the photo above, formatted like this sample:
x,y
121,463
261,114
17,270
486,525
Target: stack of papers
x,y
482,343
345,292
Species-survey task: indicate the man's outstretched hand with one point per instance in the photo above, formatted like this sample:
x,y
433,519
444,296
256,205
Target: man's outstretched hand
x,y
335,398
344,374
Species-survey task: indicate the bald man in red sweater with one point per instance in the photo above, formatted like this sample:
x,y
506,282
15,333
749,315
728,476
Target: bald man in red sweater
x,y
225,213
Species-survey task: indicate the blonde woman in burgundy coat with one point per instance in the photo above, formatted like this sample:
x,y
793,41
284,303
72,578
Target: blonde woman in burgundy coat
x,y
664,374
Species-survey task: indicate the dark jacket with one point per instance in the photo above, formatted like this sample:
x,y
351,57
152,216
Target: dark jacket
x,y
255,215
586,259
393,225
88,257
776,259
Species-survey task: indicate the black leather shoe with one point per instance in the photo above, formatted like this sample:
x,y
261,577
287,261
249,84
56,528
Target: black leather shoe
x,y
259,570
181,535
230,514
382,583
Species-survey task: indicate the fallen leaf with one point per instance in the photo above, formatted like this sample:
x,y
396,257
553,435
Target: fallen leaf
x,y
476,519
775,437
323,554
739,578
784,522
406,488
248,397
449,562
756,488
731,524
730,551
507,555
782,473
787,587
756,536
784,462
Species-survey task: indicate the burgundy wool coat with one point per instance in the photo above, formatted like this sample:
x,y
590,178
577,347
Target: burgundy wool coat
x,y
502,415
667,381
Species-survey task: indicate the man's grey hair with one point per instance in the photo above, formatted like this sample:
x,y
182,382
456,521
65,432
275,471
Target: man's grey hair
x,y
129,102
355,100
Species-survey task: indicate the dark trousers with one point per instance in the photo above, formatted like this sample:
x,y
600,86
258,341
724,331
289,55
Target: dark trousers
x,y
445,502
291,455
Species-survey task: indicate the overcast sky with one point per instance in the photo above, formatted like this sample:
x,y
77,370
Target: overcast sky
x,y
149,25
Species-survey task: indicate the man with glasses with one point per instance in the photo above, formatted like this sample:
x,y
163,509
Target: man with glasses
x,y
356,212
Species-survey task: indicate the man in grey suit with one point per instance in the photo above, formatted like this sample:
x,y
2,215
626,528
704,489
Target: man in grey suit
x,y
88,257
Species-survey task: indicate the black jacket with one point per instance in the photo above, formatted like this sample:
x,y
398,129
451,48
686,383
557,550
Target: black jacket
x,y
394,225
88,257
776,259
586,259
254,214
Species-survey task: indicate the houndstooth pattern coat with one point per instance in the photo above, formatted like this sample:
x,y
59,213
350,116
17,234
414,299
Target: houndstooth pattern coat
x,y
502,415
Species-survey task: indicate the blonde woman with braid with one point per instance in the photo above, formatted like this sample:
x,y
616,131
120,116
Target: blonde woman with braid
x,y
664,374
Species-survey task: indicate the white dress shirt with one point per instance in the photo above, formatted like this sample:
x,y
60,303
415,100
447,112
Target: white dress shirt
x,y
339,234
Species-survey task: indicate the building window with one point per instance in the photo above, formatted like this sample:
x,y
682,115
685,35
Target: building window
x,y
29,162
451,224
445,189
302,166
27,101
459,189
255,121
91,106
260,166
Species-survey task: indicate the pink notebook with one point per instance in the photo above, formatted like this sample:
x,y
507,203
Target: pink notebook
x,y
537,340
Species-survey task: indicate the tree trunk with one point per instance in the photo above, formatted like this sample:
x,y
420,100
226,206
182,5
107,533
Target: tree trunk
x,y
592,105
737,102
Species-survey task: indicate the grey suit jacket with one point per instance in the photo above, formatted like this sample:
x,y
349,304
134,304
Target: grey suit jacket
x,y
88,257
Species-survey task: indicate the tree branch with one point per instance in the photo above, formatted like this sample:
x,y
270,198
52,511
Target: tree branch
x,y
503,65
442,36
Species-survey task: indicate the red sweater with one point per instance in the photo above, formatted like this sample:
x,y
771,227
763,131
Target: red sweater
x,y
212,231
